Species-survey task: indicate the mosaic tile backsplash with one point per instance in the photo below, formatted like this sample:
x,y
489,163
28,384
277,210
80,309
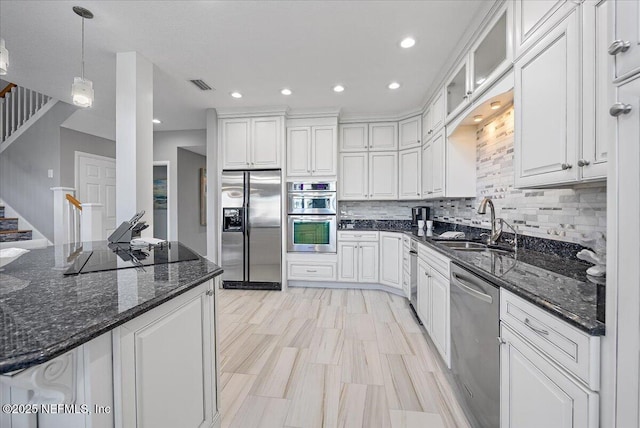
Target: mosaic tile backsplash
x,y
561,214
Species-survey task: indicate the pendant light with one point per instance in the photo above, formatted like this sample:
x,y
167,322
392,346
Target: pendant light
x,y
4,58
82,89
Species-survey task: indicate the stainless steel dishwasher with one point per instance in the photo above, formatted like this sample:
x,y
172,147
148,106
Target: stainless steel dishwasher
x,y
413,301
475,350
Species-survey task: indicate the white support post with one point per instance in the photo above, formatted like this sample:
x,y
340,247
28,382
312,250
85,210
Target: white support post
x,y
61,214
91,223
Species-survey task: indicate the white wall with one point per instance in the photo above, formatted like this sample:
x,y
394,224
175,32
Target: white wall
x,y
72,141
165,148
190,231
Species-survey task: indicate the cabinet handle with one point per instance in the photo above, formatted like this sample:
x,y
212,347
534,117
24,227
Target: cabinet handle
x,y
619,46
469,92
209,293
501,341
583,162
537,330
418,193
418,141
566,166
619,108
311,270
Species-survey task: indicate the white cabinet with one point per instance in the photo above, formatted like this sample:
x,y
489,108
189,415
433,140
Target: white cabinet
x,y
409,170
358,255
410,132
354,137
437,109
249,143
535,392
168,386
534,18
312,267
391,259
354,176
372,176
597,91
627,33
426,125
311,151
427,170
457,90
383,136
547,106
424,294
440,312
433,167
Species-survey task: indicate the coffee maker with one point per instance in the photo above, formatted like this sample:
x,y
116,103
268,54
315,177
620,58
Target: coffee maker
x,y
419,213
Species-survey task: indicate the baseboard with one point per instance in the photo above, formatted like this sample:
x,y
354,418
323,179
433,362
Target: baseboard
x,y
346,286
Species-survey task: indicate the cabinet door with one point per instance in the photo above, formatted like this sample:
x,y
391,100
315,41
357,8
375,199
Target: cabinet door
x,y
427,170
440,313
298,151
597,92
424,298
410,173
347,261
383,136
458,91
438,164
391,259
383,175
266,142
536,393
546,98
426,123
354,176
534,18
368,262
354,137
627,30
410,132
493,53
437,112
235,143
324,155
169,386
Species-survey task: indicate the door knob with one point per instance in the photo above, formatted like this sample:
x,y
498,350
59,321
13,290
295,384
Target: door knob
x,y
619,108
566,166
583,162
619,46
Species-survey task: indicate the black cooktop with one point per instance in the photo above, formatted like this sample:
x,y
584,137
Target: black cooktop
x,y
123,256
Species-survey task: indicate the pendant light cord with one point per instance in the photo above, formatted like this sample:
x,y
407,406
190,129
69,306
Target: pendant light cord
x,y
82,70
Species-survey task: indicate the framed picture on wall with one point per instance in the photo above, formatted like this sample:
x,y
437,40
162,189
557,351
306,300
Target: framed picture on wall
x,y
203,196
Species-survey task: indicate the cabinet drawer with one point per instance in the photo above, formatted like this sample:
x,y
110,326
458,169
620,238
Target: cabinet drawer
x,y
301,271
359,236
576,351
436,260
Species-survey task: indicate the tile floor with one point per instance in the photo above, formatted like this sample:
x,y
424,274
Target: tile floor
x,y
312,357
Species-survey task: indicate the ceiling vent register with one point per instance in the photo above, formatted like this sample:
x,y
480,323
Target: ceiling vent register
x,y
201,84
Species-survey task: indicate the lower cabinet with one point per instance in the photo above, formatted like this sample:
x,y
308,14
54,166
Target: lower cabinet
x,y
168,386
424,294
358,257
391,259
311,267
440,312
535,392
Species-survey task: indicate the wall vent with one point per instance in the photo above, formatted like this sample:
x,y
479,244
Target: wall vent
x,y
201,84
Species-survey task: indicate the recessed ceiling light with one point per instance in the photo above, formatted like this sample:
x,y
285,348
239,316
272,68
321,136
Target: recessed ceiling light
x,y
236,94
478,118
156,121
338,88
285,91
394,85
407,42
495,105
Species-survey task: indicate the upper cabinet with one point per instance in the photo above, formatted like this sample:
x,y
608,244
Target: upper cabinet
x,y
354,137
433,117
409,168
312,151
458,90
368,176
249,143
383,136
492,55
534,19
547,106
625,43
410,132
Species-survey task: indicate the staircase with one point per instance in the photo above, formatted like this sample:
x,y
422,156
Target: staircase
x,y
19,107
9,231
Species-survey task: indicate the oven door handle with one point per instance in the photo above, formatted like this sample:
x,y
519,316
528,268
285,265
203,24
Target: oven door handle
x,y
467,287
310,217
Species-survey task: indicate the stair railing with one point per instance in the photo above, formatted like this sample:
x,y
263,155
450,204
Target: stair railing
x,y
17,106
74,218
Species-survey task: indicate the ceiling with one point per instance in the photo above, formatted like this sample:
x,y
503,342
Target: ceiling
x,y
254,47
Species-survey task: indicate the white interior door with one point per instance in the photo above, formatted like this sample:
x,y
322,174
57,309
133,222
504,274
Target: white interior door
x,y
96,183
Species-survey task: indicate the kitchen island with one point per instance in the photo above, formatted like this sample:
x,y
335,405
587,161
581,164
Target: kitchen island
x,y
125,347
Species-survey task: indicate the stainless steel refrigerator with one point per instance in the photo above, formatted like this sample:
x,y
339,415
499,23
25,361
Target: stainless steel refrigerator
x,y
252,229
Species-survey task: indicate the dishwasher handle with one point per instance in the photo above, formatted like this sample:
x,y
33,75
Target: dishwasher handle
x,y
466,286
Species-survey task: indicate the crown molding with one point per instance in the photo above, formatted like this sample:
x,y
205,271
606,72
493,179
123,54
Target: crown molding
x,y
381,117
225,113
313,113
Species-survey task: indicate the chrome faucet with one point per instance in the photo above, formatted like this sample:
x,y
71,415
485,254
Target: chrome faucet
x,y
482,209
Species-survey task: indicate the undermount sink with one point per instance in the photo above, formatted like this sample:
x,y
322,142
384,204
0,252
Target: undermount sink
x,y
465,245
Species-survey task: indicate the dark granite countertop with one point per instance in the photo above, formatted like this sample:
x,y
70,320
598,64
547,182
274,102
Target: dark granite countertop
x,y
557,284
44,314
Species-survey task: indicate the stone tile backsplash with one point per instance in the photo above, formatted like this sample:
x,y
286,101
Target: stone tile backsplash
x,y
562,214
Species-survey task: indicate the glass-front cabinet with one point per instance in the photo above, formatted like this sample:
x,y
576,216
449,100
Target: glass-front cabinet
x,y
457,90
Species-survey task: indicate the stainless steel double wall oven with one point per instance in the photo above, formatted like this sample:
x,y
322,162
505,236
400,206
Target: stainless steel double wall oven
x,y
312,219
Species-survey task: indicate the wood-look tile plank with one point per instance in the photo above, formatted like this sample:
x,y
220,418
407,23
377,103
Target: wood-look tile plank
x,y
299,333
398,384
326,346
361,363
331,317
352,405
355,302
273,379
261,412
360,327
376,408
317,398
391,339
252,356
233,394
409,419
